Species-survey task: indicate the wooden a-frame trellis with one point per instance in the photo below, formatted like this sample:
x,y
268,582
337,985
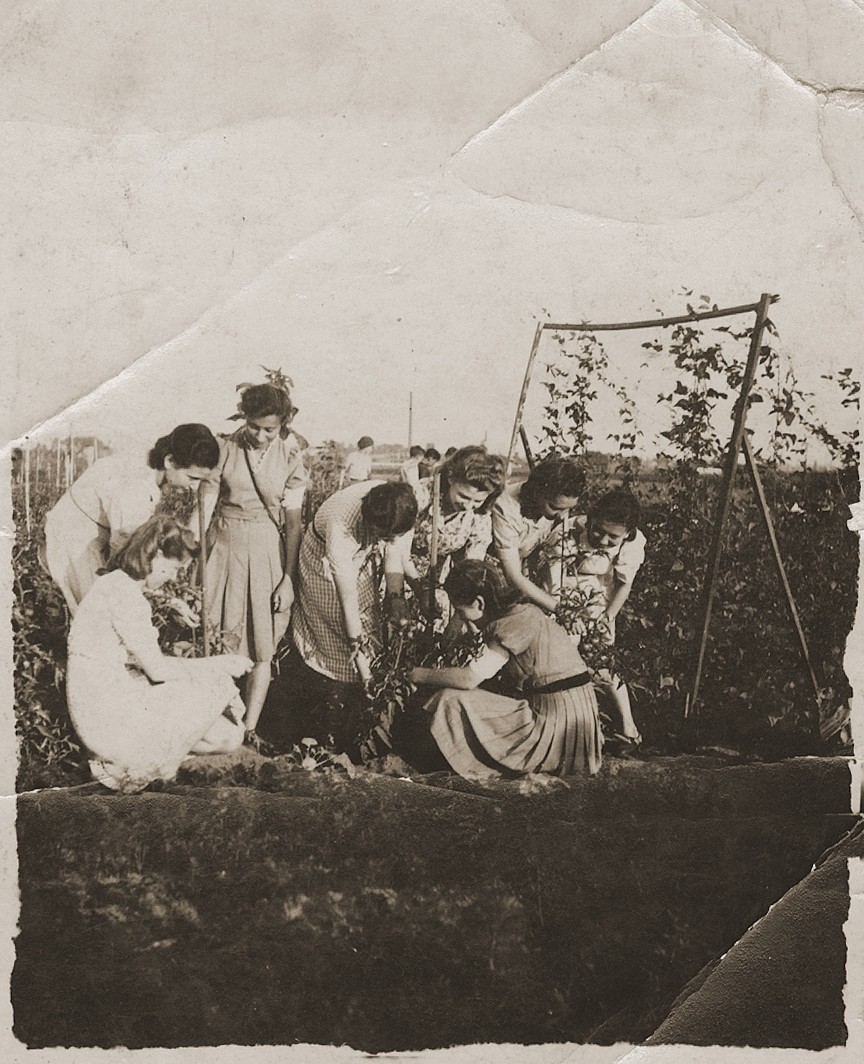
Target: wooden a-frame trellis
x,y
739,442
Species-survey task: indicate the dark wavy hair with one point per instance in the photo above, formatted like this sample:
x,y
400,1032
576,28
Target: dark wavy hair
x,y
188,445
476,467
619,507
472,579
160,532
265,400
547,481
388,510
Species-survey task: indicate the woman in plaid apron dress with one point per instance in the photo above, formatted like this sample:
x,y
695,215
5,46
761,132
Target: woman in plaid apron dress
x,y
336,622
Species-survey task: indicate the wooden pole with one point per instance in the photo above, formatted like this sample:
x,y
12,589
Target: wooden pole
x,y
70,461
756,480
651,323
433,546
59,445
521,404
726,489
202,572
26,450
526,447
410,420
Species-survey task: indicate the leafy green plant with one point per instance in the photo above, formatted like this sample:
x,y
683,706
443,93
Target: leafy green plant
x,y
323,466
48,750
755,692
389,692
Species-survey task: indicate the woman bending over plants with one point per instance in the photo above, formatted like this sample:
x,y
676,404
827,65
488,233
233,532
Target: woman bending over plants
x,y
139,712
552,728
593,576
94,518
527,516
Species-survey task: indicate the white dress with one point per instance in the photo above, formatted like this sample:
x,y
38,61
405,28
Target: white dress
x,y
135,730
94,518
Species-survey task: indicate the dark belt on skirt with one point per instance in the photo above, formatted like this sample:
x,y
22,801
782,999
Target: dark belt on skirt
x,y
567,684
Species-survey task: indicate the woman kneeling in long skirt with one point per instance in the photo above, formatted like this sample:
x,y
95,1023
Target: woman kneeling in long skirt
x,y
139,712
552,728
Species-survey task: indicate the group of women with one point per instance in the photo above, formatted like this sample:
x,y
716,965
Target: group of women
x,y
329,590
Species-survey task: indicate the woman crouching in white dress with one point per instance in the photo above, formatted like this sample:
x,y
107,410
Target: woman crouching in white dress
x,y
139,712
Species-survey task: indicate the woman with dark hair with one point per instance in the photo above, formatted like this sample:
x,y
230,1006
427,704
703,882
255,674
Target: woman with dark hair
x,y
471,480
99,512
431,458
552,728
140,712
336,622
254,535
528,515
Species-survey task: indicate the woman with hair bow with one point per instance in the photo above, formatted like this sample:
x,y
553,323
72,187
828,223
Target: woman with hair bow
x,y
254,535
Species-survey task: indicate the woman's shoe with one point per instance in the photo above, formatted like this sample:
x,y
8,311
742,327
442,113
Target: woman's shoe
x,y
623,746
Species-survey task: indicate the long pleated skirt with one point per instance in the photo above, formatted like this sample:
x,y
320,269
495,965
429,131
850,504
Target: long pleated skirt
x,y
243,568
486,734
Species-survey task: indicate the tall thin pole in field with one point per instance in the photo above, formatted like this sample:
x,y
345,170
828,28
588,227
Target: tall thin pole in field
x,y
202,572
410,420
520,406
433,545
27,484
726,488
792,609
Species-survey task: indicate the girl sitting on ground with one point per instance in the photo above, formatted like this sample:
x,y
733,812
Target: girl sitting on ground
x,y
605,551
140,712
552,728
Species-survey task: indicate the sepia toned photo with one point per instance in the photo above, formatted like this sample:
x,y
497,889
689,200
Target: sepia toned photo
x,y
433,529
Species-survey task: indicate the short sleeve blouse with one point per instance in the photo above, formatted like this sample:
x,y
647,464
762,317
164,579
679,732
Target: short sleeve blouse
x,y
466,530
511,530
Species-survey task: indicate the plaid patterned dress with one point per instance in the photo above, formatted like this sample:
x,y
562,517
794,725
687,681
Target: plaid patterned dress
x,y
335,541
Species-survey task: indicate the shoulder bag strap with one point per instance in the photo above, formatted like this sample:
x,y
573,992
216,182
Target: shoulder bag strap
x,y
264,503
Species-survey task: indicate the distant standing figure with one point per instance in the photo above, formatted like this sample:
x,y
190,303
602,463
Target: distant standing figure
x,y
254,536
431,458
410,468
358,464
104,506
552,728
140,712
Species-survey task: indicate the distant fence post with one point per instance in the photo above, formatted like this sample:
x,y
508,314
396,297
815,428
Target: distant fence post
x,y
26,463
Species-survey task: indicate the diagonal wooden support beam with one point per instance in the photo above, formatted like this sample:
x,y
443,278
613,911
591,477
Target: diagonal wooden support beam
x,y
756,480
726,488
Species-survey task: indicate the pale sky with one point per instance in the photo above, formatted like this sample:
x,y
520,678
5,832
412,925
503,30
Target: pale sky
x,y
376,228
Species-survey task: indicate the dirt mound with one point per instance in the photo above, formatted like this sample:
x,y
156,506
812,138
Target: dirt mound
x,y
388,914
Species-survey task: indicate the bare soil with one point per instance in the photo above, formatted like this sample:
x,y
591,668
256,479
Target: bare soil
x,y
253,902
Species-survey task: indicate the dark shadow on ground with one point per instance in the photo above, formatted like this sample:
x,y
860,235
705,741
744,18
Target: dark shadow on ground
x,y
397,914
